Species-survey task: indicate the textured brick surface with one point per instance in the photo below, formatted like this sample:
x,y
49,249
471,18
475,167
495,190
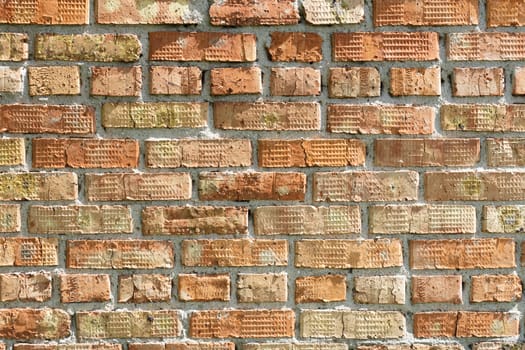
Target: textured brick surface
x,y
58,80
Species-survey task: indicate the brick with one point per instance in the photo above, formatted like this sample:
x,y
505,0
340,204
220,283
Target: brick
x,y
54,119
421,219
482,117
435,324
194,287
294,346
496,345
385,46
138,187
462,254
153,12
348,254
38,186
14,47
416,346
119,254
267,115
29,324
475,82
18,251
426,152
192,153
296,47
249,13
474,185
155,115
10,219
385,119
144,288
487,324
54,80
128,324
364,186
116,81
495,288
518,87
167,80
324,288
379,289
31,286
293,81
478,46
503,219
84,288
45,12
262,287
306,220
320,12
11,79
235,81
255,323
87,47
505,13
82,153
415,81
169,345
349,82
202,46
505,152
73,346
522,259
252,186
437,289
12,151
429,13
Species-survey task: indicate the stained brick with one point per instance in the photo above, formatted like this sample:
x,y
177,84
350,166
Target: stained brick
x,y
235,81
518,87
475,82
479,46
169,345
16,251
84,288
28,324
54,80
354,82
116,81
31,286
499,288
295,81
167,80
14,47
262,287
11,79
437,289
320,12
45,12
503,219
505,13
296,47
144,288
12,151
249,13
38,186
324,288
487,324
379,289
505,152
415,81
193,287
72,346
154,12
10,219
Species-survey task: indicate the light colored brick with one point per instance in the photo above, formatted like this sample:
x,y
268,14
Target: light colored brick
x,y
413,346
518,87
505,13
320,12
324,288
149,12
235,81
294,81
144,288
30,286
189,345
296,47
14,47
54,80
479,46
11,79
38,186
193,287
29,324
487,324
495,288
10,219
415,81
379,289
504,219
475,82
497,345
250,13
294,346
262,287
116,81
12,151
72,346
48,12
436,289
505,152
18,251
84,288
351,82
167,80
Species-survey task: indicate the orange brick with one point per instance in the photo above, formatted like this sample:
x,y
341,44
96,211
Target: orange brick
x,y
435,324
414,346
144,288
38,186
14,47
379,289
154,12
505,13
202,46
477,82
31,286
518,87
116,81
495,288
194,287
16,251
45,12
79,288
190,345
319,12
415,81
54,80
262,287
437,289
166,80
235,81
295,81
478,46
503,219
10,219
72,346
487,324
505,152
324,288
296,47
29,324
12,80
351,82
250,13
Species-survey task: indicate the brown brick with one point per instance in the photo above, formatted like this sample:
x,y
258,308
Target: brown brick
x,y
306,220
436,289
293,81
426,152
345,254
435,324
29,324
487,324
12,151
518,87
478,46
474,186
193,153
385,46
415,81
39,119
138,187
167,80
296,47
116,81
354,82
504,219
10,219
45,12
149,12
190,345
252,186
475,82
87,47
18,251
73,346
38,186
54,80
379,289
505,152
499,288
497,345
267,115
385,119
14,47
11,79
522,260
235,81
479,253
364,186
119,254
128,324
31,286
142,115
321,12
250,13
421,219
324,288
235,252
80,288
194,287
295,346
505,13
202,46
144,288
429,13
82,153
416,346
262,287
254,323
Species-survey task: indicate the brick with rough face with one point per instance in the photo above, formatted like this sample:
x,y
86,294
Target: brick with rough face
x,y
505,13
503,219
435,324
84,288
29,324
321,12
11,80
323,288
479,46
487,324
250,13
505,152
31,286
351,82
415,81
495,288
16,251
144,288
295,346
518,86
483,117
46,12
72,346
379,289
189,345
296,47
14,47
193,287
38,186
167,80
54,80
476,82
437,289
116,81
10,218
295,82
236,81
262,288
148,12
12,151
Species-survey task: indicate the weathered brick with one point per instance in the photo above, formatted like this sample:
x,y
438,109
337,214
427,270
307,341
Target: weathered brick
x,y
294,81
505,152
262,287
82,153
354,82
479,46
235,81
116,81
54,80
504,219
137,187
194,287
11,79
499,288
45,12
169,345
364,186
202,46
487,324
254,323
435,324
518,86
14,47
144,288
319,12
250,13
12,151
235,252
479,253
345,254
29,324
324,288
415,81
252,186
267,115
31,286
306,220
167,80
296,47
379,289
38,186
87,47
295,346
148,12
497,345
84,288
73,346
475,82
119,254
385,119
436,289
505,13
413,346
10,219
18,251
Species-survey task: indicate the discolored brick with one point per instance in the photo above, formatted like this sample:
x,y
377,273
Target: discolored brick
x,y
14,47
475,82
54,80
480,46
46,12
22,251
10,218
193,287
250,13
262,288
495,288
320,12
38,186
415,81
351,82
84,288
503,219
148,12
167,80
296,47
295,82
144,288
505,13
323,288
518,87
379,289
116,81
31,286
12,151
11,79
236,81
28,324
505,152
437,289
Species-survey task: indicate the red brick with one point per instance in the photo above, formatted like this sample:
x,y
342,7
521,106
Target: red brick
x,y
29,324
320,12
262,287
31,286
167,80
194,287
45,12
487,324
518,88
295,82
16,251
235,81
116,81
479,46
505,13
475,82
12,79
437,289
189,345
144,288
10,219
324,288
351,82
12,151
250,13
38,186
77,288
435,324
505,152
155,12
14,47
72,346
54,80
495,288
415,81
296,47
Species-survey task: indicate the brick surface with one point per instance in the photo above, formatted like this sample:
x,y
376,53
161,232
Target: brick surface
x,y
116,81
54,80
485,46
148,12
487,324
72,346
84,288
11,80
436,289
194,287
262,288
518,86
28,251
167,80
45,12
505,152
14,47
478,82
38,186
354,82
265,12
12,151
482,118
415,81
25,287
324,288
235,81
503,219
320,12
190,345
498,288
379,289
505,13
296,47
295,82
10,219
26,323
144,288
